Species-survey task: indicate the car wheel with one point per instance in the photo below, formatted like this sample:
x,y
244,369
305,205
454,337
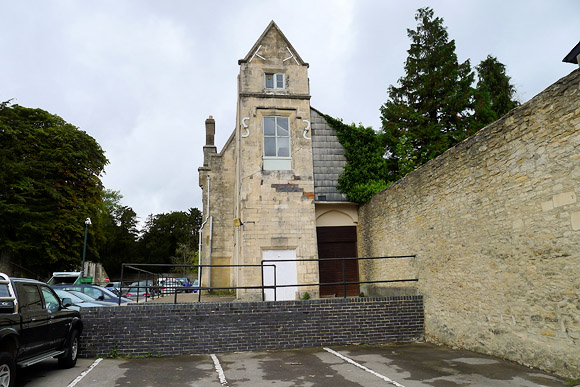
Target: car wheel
x,y
69,359
7,370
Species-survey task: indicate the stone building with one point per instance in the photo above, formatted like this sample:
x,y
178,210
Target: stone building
x,y
270,193
494,222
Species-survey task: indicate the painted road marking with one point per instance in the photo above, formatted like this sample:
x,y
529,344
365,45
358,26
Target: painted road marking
x,y
219,370
386,379
84,373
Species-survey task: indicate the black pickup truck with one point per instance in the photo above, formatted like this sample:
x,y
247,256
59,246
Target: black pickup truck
x,y
35,325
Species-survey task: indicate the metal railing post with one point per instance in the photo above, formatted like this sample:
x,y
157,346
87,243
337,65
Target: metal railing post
x,y
138,284
263,291
344,277
199,268
121,284
275,284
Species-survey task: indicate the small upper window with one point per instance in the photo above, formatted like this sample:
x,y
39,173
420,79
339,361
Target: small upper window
x,y
274,80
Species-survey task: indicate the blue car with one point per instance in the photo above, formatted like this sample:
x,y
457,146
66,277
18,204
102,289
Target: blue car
x,y
99,293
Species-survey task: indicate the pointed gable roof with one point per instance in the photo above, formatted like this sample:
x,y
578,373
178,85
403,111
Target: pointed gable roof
x,y
573,55
272,26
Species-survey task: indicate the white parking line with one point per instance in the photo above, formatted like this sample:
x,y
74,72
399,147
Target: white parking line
x,y
386,379
84,373
219,370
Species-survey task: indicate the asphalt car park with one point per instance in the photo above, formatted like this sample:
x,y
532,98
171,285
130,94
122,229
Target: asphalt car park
x,y
413,364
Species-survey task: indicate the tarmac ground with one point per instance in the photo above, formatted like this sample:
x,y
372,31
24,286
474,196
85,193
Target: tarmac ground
x,y
410,364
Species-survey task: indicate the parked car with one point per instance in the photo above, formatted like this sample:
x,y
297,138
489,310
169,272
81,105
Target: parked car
x,y
114,287
99,293
136,292
147,285
87,298
35,325
78,302
188,285
195,285
169,285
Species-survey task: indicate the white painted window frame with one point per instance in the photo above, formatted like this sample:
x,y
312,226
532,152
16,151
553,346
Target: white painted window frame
x,y
276,163
275,81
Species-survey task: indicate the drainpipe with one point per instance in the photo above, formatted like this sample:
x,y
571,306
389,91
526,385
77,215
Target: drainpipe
x,y
209,250
200,233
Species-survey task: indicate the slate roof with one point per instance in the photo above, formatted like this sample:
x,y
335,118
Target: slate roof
x,y
328,159
572,56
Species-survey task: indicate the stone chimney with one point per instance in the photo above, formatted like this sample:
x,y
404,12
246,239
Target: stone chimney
x,y
209,146
209,131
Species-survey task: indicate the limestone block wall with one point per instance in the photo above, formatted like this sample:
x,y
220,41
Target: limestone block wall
x,y
221,171
495,224
277,206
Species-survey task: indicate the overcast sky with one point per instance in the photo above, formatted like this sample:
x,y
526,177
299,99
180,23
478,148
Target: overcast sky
x,y
142,76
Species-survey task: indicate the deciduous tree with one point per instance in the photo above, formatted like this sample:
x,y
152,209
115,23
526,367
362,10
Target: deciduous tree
x,y
120,234
49,184
163,234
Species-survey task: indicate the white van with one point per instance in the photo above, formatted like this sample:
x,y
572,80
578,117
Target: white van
x,y
169,285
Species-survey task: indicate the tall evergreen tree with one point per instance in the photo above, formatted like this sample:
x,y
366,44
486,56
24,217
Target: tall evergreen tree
x,y
494,94
430,110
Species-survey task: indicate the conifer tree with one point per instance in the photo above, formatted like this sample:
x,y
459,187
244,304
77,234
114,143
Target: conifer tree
x,y
431,109
494,94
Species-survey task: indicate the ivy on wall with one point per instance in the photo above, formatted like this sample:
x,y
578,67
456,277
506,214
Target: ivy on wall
x,y
365,171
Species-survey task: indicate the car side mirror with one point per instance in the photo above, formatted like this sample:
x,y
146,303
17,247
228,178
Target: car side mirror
x,y
101,298
66,302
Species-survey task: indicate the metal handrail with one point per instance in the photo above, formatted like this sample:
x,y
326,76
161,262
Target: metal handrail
x,y
264,263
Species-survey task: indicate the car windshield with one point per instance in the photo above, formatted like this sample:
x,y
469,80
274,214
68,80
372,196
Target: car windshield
x,y
82,295
64,294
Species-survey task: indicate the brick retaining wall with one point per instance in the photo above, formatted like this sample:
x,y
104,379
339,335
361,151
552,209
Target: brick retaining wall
x,y
175,329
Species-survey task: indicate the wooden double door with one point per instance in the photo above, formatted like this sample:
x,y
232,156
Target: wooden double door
x,y
337,242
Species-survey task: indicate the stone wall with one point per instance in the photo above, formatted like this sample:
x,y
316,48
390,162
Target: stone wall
x,y
495,224
218,234
193,328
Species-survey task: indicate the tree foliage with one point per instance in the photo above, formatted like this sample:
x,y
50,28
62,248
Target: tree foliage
x,y
435,105
49,184
495,95
430,110
120,234
164,234
364,173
